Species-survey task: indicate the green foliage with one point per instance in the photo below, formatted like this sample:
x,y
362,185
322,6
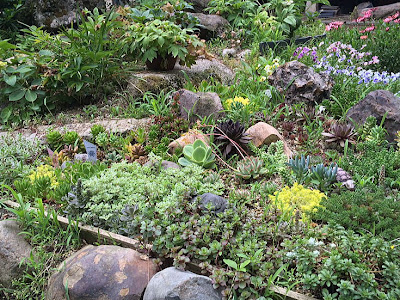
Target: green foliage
x,y
51,184
198,153
131,184
274,158
16,154
76,65
163,38
368,161
96,129
367,209
52,243
250,167
54,139
9,13
339,264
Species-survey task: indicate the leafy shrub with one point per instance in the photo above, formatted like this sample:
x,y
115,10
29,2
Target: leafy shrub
x,y
367,209
74,66
125,184
297,197
16,153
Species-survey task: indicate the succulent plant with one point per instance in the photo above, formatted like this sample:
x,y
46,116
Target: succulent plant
x,y
198,153
112,157
340,132
324,176
96,129
102,139
55,139
134,152
229,136
300,167
377,135
250,167
69,152
72,138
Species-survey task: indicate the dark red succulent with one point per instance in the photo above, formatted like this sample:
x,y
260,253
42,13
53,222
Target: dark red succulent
x,y
230,137
340,132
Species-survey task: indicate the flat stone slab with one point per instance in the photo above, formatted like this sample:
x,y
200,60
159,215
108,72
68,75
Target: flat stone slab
x,y
203,69
114,125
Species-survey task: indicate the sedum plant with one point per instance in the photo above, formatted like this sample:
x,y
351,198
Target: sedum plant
x,y
250,167
198,153
298,198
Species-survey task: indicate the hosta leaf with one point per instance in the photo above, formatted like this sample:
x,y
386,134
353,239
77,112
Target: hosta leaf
x,y
6,113
291,20
30,96
17,95
10,80
46,53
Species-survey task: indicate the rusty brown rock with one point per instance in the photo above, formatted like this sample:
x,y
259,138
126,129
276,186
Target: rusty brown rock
x,y
265,134
102,272
187,139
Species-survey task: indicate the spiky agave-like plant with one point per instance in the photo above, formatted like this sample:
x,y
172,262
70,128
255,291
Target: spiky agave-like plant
x,y
230,137
340,132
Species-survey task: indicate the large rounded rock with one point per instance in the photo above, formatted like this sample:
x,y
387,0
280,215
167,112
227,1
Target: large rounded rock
x,y
103,272
187,139
377,104
213,25
172,283
209,202
13,249
195,105
300,83
265,134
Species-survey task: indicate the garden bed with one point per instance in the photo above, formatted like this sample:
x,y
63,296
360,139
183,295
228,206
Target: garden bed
x,y
94,235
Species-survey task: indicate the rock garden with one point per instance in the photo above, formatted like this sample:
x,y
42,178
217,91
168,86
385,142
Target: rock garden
x,y
195,150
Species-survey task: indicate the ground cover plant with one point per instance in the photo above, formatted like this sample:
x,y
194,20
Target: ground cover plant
x,y
323,221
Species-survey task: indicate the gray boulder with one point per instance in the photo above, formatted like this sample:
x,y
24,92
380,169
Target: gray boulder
x,y
377,104
172,283
305,85
102,273
13,249
213,25
196,105
203,69
53,14
199,5
218,203
383,11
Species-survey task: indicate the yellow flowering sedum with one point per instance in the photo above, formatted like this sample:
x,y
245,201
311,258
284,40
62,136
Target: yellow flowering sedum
x,y
298,198
244,101
3,64
44,171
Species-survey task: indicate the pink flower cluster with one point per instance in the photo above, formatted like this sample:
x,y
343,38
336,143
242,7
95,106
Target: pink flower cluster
x,y
368,29
366,15
393,18
333,25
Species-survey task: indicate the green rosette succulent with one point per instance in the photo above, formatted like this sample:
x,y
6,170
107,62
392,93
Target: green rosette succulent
x,y
198,153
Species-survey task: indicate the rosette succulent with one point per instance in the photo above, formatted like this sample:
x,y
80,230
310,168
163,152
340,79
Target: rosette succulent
x,y
250,167
198,153
230,136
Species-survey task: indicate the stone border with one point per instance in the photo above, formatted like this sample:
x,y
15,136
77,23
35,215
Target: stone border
x,y
92,234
